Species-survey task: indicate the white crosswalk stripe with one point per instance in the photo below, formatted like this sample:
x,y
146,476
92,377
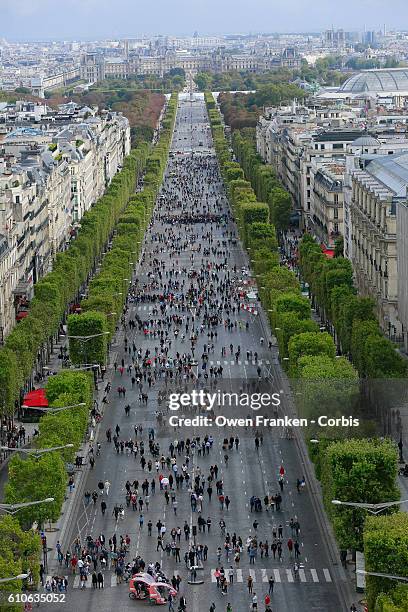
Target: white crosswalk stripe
x,y
264,575
239,575
289,575
276,575
302,575
327,575
315,577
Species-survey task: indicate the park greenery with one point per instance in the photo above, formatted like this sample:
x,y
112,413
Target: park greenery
x,y
242,110
358,469
325,71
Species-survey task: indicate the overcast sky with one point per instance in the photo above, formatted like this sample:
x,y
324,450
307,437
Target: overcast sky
x,y
92,19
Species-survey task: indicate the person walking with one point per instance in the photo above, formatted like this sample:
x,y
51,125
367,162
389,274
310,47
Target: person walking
x,y
271,583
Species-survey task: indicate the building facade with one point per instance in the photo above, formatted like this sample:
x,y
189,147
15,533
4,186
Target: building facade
x,y
49,177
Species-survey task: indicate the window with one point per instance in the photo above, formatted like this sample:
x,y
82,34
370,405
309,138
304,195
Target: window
x,y
336,213
337,145
336,198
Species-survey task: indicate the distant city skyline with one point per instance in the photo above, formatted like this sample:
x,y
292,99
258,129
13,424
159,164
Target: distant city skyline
x,y
30,20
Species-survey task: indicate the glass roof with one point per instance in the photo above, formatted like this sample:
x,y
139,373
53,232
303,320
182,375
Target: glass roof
x,y
377,81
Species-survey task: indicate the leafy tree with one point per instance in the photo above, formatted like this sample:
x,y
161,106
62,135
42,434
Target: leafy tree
x,y
339,247
10,380
19,548
326,386
396,600
361,331
357,470
289,302
288,325
382,361
32,479
310,344
280,206
386,552
87,338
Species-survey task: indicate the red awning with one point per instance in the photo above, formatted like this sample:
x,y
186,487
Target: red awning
x,y
328,252
36,399
22,315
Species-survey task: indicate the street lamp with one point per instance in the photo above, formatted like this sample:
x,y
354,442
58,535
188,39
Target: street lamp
x,y
86,338
36,451
18,577
14,508
371,508
57,408
380,575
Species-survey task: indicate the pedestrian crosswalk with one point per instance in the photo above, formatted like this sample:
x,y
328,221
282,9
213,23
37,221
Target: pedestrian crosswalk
x,y
240,362
262,575
279,575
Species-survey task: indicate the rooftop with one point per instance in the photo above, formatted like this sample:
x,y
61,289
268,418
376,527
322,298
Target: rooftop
x,y
377,81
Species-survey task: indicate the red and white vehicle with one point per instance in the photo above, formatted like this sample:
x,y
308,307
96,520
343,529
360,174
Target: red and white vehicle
x,y
146,586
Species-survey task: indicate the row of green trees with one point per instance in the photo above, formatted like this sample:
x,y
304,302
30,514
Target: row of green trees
x,y
351,470
357,331
36,477
263,179
89,331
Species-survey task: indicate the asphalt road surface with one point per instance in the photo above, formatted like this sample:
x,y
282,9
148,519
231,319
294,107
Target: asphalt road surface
x,y
192,188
